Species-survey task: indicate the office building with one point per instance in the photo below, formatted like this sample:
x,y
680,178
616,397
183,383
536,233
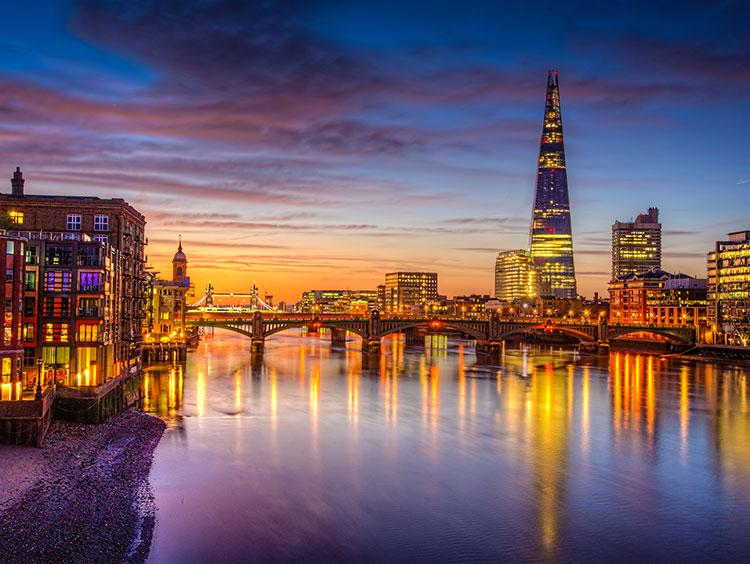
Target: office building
x,y
410,293
515,276
729,289
636,245
551,233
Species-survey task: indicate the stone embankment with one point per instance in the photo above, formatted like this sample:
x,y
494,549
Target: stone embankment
x,y
84,496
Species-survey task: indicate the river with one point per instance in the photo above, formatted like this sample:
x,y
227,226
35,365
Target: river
x,y
424,455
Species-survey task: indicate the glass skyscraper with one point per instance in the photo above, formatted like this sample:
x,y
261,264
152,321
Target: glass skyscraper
x,y
551,235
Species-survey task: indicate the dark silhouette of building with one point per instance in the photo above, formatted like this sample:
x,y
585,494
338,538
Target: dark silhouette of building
x,y
551,234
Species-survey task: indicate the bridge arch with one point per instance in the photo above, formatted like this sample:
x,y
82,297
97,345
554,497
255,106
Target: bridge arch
x,y
542,328
322,324
470,332
673,337
238,328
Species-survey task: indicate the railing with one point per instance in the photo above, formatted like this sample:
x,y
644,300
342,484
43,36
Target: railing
x,y
90,261
92,288
90,312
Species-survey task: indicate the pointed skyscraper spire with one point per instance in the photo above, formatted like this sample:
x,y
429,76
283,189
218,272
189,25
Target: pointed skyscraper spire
x,y
551,235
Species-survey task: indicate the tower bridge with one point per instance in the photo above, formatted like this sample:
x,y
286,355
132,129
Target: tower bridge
x,y
488,333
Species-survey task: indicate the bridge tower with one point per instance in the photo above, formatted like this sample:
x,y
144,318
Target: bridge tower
x,y
209,295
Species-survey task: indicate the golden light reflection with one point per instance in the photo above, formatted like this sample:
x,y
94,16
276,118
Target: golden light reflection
x,y
274,392
684,411
434,397
200,393
353,395
585,410
238,392
314,393
650,401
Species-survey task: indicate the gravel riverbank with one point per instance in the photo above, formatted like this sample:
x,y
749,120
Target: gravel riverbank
x,y
83,497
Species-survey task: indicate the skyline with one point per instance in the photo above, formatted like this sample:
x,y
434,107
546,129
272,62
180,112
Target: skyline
x,y
367,140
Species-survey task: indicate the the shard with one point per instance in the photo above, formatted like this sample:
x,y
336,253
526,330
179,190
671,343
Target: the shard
x,y
551,235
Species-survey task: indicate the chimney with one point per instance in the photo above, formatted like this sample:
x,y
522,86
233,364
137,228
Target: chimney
x,y
17,182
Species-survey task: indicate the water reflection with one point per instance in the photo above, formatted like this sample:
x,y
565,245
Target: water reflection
x,y
421,453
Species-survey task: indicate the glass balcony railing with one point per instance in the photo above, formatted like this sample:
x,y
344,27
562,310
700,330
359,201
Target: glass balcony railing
x,y
89,312
92,288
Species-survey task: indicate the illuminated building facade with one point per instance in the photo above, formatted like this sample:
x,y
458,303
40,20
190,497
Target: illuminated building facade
x,y
657,297
13,251
84,283
410,292
729,289
167,303
636,246
515,276
355,302
551,234
682,302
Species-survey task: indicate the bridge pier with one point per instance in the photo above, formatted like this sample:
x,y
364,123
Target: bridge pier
x,y
414,336
257,344
489,351
371,346
338,337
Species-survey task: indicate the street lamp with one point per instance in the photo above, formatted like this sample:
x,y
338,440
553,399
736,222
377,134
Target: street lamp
x,y
39,364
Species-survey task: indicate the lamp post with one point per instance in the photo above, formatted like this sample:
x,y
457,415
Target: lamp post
x,y
39,363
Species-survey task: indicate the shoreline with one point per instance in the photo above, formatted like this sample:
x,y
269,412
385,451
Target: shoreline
x,y
84,496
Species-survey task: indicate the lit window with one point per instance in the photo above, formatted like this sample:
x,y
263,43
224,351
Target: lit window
x,y
74,222
101,223
16,217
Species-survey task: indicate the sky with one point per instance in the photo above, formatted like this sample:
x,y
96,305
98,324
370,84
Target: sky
x,y
317,145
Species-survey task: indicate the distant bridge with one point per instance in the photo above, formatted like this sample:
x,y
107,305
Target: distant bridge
x,y
488,333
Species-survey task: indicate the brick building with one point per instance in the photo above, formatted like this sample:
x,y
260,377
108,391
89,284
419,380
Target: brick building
x,y
12,251
84,286
657,297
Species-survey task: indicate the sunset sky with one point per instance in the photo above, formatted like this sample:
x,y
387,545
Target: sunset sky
x,y
309,145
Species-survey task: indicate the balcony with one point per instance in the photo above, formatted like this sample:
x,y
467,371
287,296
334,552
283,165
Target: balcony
x,y
89,312
91,289
88,260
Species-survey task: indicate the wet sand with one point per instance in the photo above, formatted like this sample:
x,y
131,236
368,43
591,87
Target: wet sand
x,y
84,496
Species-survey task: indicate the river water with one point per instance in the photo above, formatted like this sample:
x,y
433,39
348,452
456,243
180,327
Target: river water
x,y
423,455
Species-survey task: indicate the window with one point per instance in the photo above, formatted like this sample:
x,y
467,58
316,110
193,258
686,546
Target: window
x,y
56,355
29,307
101,238
57,255
56,332
29,281
74,222
88,307
89,255
31,256
57,306
16,217
88,332
10,247
9,275
90,282
101,223
57,281
28,332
